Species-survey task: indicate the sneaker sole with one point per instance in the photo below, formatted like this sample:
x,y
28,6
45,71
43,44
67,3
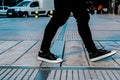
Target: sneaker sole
x,y
104,56
50,61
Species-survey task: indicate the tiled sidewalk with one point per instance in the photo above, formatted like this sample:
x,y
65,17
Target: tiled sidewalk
x,y
18,57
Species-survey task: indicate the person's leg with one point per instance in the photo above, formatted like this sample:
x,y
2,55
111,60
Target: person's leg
x,y
59,18
51,29
82,17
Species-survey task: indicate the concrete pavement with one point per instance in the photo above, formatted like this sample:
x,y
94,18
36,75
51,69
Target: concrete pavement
x,y
21,39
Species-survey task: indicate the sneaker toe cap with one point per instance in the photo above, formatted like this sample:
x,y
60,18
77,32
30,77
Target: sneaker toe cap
x,y
60,59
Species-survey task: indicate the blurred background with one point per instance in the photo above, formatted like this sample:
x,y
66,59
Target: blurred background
x,y
108,6
93,6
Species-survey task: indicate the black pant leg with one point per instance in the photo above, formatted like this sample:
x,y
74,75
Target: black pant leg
x,y
59,18
82,18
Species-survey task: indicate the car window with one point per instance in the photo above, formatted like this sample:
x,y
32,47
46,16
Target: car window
x,y
5,8
34,4
24,3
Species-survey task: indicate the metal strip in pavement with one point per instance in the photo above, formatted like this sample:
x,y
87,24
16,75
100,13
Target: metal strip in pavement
x,y
56,74
25,52
60,68
11,47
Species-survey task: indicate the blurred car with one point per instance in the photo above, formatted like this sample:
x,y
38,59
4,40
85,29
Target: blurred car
x,y
3,10
28,8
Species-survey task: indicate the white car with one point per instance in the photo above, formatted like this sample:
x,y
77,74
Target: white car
x,y
31,8
3,10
